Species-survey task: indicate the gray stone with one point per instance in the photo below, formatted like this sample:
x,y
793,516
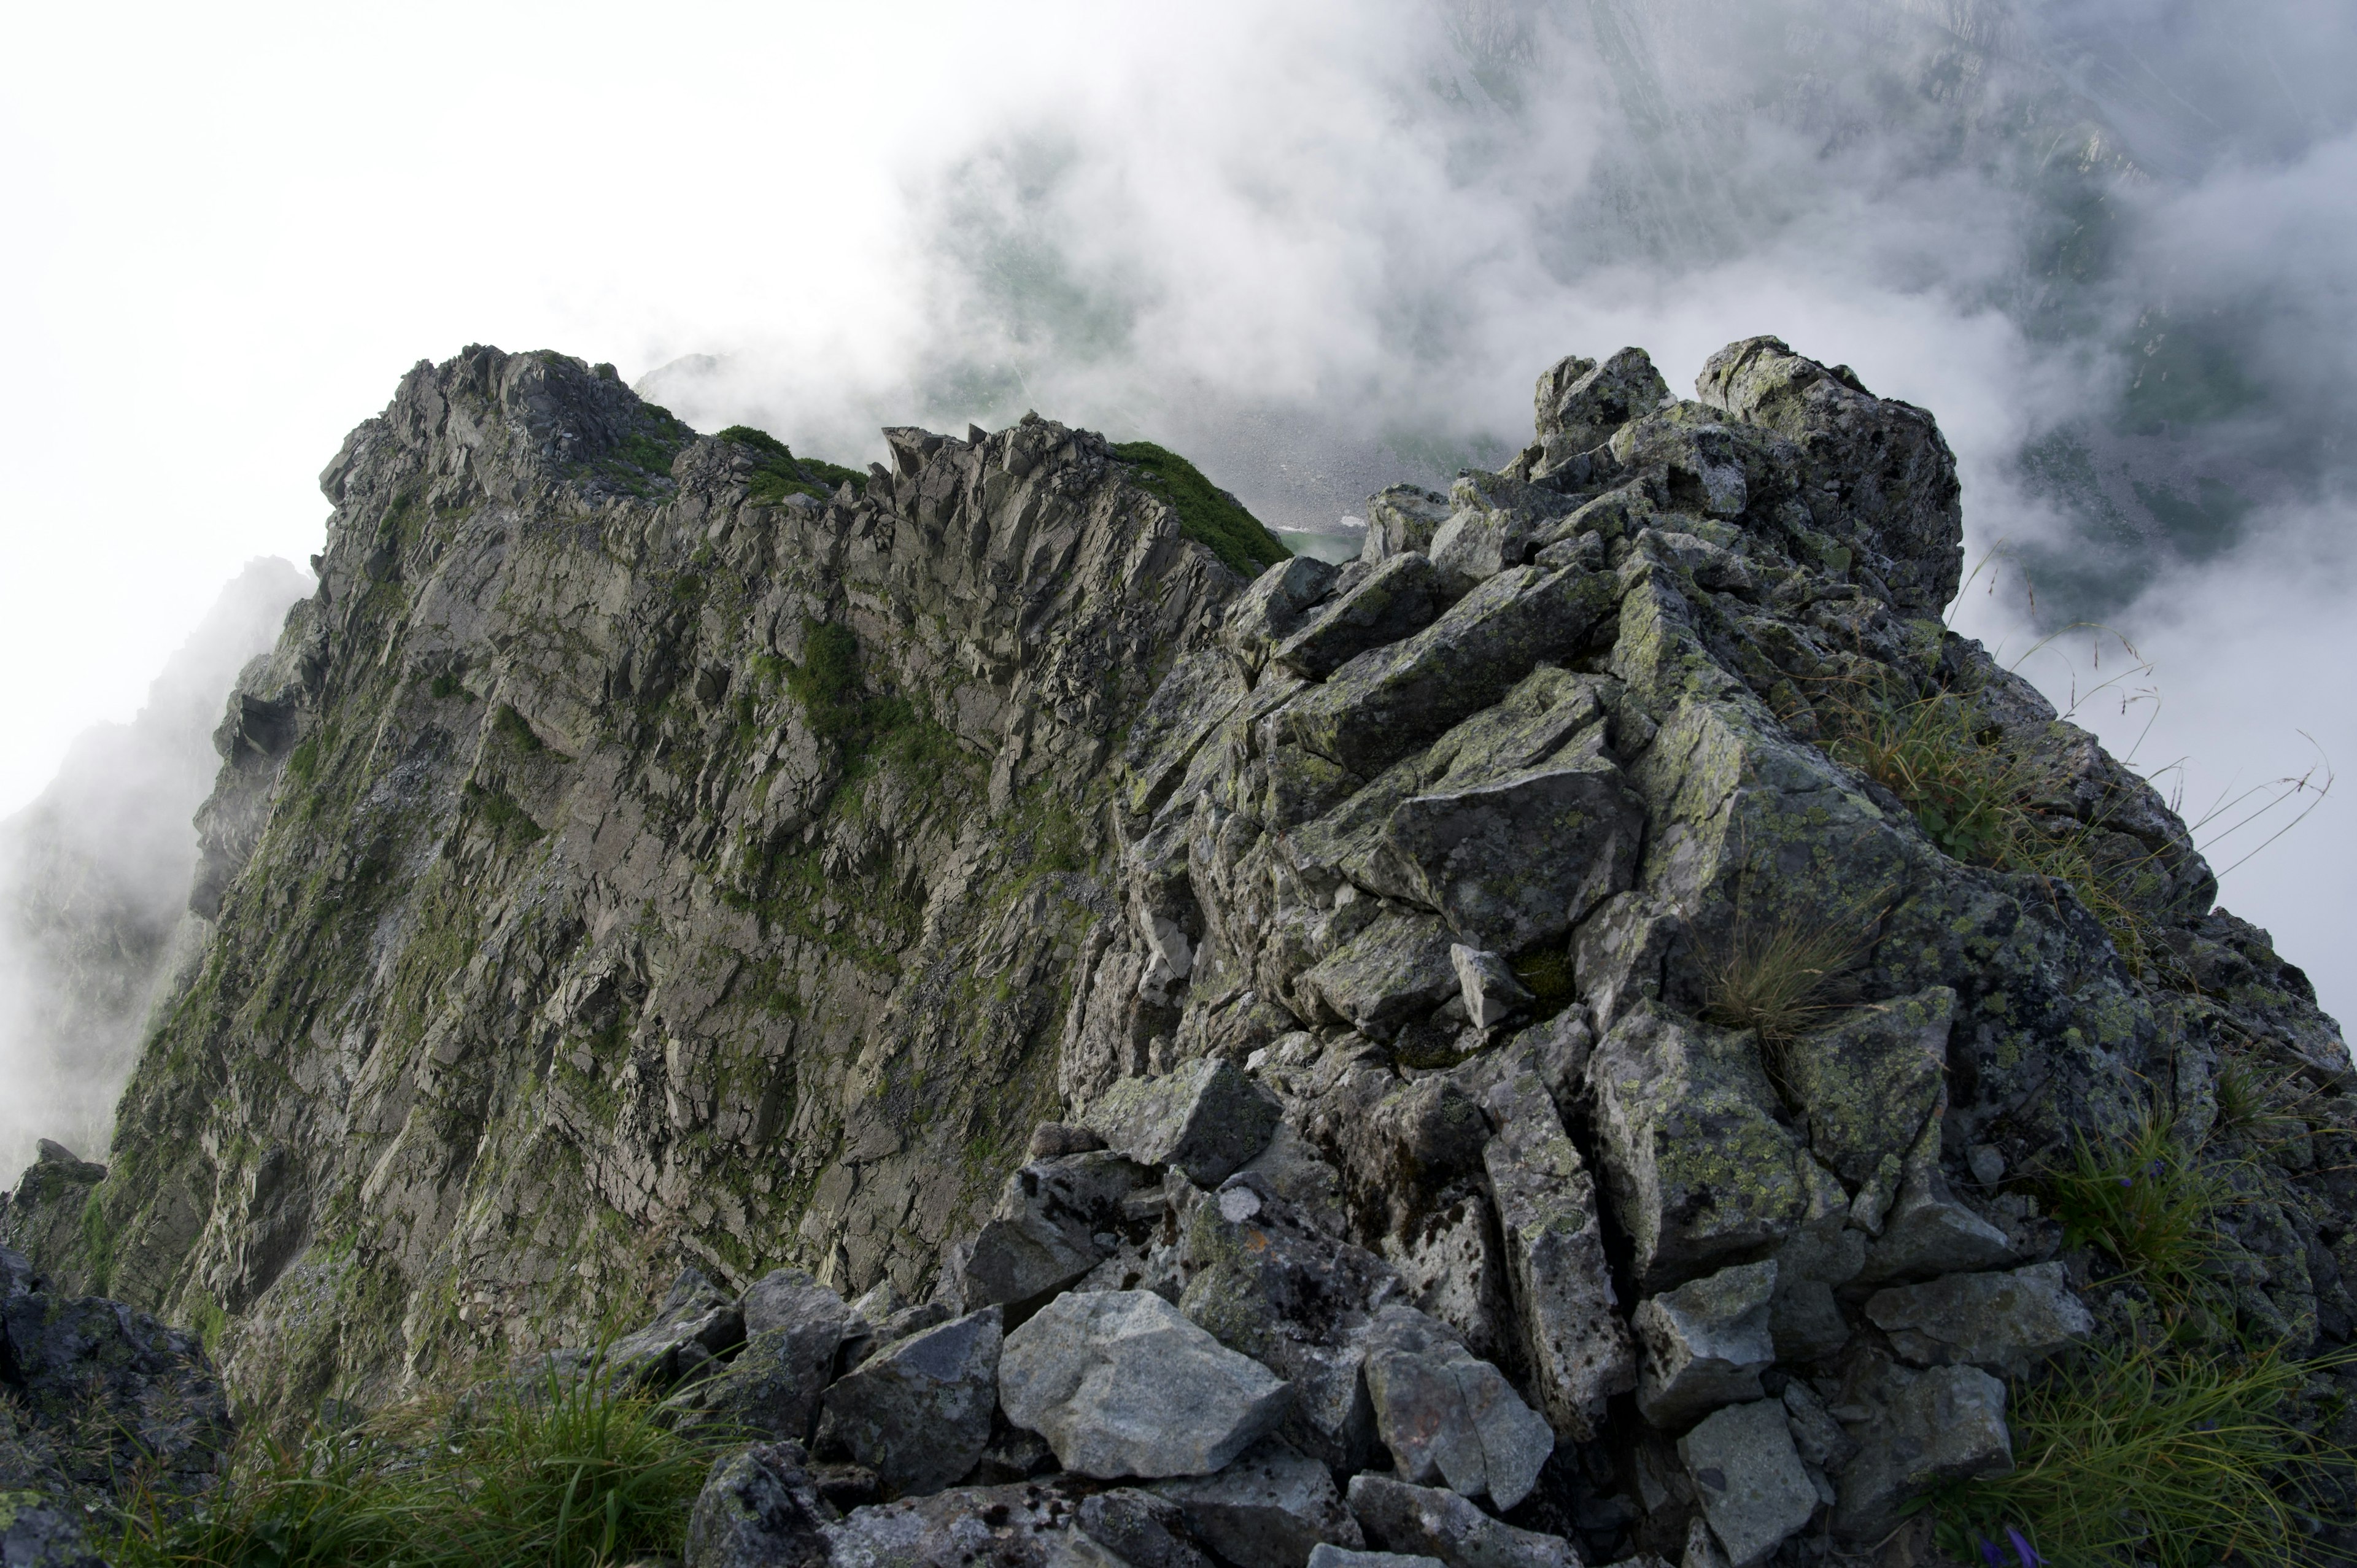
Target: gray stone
x,y
772,1386
1270,1286
2002,1323
1291,1169
1429,1521
1573,1340
1121,1383
1870,1079
1705,1344
1489,988
1921,1429
1023,1525
1266,613
1617,955
1399,597
1205,1117
1400,518
1927,1233
791,1300
1698,1167
1749,1478
1703,1550
866,1338
1987,1162
1329,1556
694,1324
1141,1528
1896,478
1395,970
1816,1436
1053,1140
759,1508
1044,1232
1443,1414
1269,1509
1396,700
1580,403
919,1412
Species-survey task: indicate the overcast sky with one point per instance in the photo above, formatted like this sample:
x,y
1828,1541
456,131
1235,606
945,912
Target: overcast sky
x,y
1317,244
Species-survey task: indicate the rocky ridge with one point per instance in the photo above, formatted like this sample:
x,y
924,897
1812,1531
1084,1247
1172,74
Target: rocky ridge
x,y
1423,1161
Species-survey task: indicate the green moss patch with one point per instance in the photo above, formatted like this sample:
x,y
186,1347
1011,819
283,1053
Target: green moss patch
x,y
779,473
1207,514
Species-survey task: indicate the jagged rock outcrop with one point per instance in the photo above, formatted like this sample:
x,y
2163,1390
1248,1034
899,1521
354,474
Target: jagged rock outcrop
x,y
1501,1037
643,848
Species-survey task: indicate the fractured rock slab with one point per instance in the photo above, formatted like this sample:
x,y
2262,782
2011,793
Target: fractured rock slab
x,y
919,1412
1206,1118
1042,1235
694,1324
1023,1525
1140,1529
1399,597
1429,1521
1749,1478
1121,1383
1270,1508
2004,1323
1443,1414
1705,1344
759,1508
1341,1557
1921,1429
1577,1348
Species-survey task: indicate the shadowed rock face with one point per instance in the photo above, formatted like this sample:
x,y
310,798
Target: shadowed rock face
x,y
609,864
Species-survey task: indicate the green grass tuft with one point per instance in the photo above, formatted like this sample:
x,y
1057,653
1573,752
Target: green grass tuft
x,y
778,473
2145,1455
513,727
572,1475
1207,514
2150,1203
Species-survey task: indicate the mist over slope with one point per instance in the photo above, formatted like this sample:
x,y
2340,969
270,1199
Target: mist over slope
x,y
94,879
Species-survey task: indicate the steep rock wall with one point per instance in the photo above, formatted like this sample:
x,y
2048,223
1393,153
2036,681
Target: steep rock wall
x,y
634,851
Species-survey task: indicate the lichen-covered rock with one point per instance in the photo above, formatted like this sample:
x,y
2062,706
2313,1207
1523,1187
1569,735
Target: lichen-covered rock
x,y
1399,596
795,1330
1269,1508
1749,1478
1705,1344
1572,1336
759,1508
918,1413
1918,1429
1427,1521
1448,1416
1140,1529
1044,1234
1024,1525
43,1215
1122,1384
1207,1119
2004,1323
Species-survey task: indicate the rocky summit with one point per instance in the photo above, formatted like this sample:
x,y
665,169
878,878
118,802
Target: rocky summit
x,y
1598,1030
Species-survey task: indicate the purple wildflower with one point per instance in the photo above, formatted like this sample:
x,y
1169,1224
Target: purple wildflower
x,y
2023,1549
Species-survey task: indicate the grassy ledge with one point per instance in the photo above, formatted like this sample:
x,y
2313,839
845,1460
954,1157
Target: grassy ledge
x,y
1207,514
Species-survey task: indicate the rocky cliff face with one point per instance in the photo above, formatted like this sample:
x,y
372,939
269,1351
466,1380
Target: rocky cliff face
x,y
638,846
1592,998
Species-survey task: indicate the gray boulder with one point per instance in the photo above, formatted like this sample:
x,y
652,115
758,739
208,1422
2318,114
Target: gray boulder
x,y
1580,403
795,1329
1577,1348
1270,1508
1023,1525
2002,1323
1121,1383
1329,1556
1205,1117
1272,608
919,1412
1398,598
1443,1414
868,1337
1392,701
1699,1167
1140,1529
1489,988
1269,1284
1705,1344
694,1324
1044,1233
1431,1523
1394,970
1919,1429
1400,518
1871,1078
759,1508
1748,1476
